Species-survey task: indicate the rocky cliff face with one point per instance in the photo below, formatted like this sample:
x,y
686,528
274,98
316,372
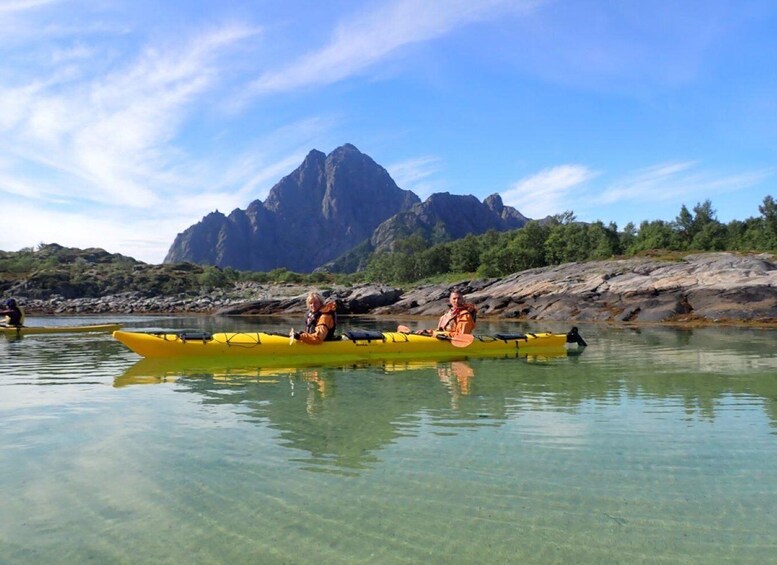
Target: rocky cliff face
x,y
328,205
458,215
333,205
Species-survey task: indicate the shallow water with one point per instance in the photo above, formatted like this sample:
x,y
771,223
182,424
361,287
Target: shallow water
x,y
654,446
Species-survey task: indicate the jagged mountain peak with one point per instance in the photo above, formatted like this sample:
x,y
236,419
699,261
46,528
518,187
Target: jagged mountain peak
x,y
325,208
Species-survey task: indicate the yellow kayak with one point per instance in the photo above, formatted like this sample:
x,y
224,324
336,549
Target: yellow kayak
x,y
352,346
27,330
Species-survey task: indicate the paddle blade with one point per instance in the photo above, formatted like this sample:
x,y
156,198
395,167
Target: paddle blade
x,y
403,329
462,340
291,336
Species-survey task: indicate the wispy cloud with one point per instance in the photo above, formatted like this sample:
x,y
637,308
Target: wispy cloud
x,y
77,51
548,192
13,6
676,182
110,136
417,175
244,180
251,171
370,38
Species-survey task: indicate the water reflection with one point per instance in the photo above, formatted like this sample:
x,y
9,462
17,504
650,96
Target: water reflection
x,y
342,417
652,443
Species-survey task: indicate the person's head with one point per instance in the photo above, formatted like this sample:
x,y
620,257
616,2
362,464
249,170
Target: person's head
x,y
456,298
314,301
11,303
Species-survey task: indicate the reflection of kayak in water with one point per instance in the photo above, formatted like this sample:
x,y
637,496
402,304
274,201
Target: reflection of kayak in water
x,y
236,369
28,330
353,346
158,371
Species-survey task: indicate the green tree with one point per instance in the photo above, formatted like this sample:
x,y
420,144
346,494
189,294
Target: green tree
x,y
494,256
380,267
412,244
627,237
603,241
566,243
434,261
685,225
212,277
526,250
493,237
711,237
769,215
493,263
657,234
465,254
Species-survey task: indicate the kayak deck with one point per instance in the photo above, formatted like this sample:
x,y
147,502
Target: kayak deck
x,y
353,346
28,330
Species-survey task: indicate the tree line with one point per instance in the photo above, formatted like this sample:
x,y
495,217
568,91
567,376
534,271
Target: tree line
x,y
562,239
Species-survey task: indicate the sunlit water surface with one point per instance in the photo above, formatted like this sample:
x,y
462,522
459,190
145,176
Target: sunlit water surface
x,y
653,446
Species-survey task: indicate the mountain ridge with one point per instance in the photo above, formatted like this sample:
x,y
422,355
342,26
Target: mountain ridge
x,y
329,206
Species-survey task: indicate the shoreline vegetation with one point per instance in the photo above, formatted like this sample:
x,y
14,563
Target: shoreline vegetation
x,y
694,270
692,290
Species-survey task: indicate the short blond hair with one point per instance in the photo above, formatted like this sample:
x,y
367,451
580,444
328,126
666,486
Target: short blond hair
x,y
314,296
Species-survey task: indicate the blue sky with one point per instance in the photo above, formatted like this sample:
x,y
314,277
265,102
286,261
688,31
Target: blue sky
x,y
123,122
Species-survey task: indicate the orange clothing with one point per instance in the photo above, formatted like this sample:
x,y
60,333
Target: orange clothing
x,y
457,321
326,323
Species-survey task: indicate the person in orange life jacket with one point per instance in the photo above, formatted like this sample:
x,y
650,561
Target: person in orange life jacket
x,y
320,321
14,317
459,319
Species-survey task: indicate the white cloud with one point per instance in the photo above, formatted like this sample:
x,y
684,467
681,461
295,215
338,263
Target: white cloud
x,y
235,187
416,175
548,192
365,40
259,180
111,135
675,182
251,176
74,52
12,6
567,187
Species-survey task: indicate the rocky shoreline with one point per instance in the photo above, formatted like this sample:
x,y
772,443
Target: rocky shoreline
x,y
698,289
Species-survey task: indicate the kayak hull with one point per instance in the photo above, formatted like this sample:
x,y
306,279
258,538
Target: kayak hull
x,y
30,330
276,349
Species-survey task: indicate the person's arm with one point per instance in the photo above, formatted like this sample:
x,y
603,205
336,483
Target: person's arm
x,y
325,322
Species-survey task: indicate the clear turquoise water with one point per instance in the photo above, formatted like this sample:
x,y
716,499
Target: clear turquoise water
x,y
652,446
